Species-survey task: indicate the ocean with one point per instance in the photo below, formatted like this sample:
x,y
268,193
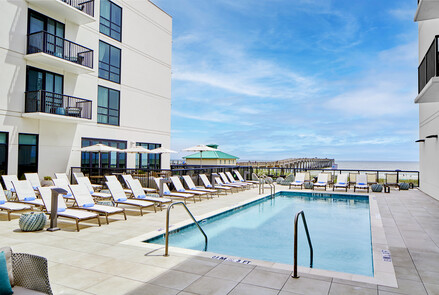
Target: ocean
x,y
379,165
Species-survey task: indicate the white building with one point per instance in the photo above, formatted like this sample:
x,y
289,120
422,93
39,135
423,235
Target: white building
x,y
427,16
77,72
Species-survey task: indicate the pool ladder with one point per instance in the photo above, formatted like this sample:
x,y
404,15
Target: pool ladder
x,y
296,221
262,182
167,226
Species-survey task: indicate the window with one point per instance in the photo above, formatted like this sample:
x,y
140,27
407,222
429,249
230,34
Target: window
x,y
54,43
108,106
45,88
148,161
105,160
111,20
109,62
27,154
4,152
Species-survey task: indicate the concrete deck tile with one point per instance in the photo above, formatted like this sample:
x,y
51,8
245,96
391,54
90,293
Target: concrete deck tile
x,y
75,277
341,289
175,279
265,278
197,266
210,286
227,271
429,277
354,283
149,289
63,290
406,287
114,285
432,289
246,289
306,286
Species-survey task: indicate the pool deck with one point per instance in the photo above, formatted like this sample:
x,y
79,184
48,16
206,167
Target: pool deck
x,y
105,260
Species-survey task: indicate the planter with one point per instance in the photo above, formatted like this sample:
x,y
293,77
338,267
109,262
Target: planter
x,y
308,185
403,186
377,188
33,221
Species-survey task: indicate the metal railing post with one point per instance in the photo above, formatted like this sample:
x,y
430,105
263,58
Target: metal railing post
x,y
167,227
296,221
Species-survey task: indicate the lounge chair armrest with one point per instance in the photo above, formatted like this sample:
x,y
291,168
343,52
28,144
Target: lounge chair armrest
x,y
31,272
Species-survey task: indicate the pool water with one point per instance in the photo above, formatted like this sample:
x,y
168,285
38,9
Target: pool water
x,y
339,227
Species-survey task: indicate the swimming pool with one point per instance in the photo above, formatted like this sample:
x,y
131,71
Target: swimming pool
x,y
339,226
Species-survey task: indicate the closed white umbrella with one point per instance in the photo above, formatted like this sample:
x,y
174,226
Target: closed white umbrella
x,y
200,148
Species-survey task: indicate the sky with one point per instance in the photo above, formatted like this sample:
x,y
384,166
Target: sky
x,y
277,79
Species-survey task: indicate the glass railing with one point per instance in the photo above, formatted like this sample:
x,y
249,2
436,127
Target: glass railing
x,y
51,44
59,104
429,65
87,7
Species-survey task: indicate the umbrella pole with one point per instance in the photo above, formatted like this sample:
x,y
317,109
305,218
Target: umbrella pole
x,y
201,159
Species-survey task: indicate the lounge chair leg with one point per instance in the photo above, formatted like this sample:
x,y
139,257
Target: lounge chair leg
x,y
124,214
106,217
77,225
9,215
155,209
141,212
99,221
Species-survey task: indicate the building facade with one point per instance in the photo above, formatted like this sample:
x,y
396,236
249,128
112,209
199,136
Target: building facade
x,y
427,17
74,73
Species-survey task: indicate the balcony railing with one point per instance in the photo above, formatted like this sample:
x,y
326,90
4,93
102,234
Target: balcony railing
x,y
59,104
59,47
87,7
429,65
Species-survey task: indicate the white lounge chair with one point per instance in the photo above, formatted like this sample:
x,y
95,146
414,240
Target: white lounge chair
x,y
361,182
226,181
208,185
113,178
170,194
179,187
85,200
34,180
62,183
119,197
299,180
62,176
76,175
233,180
76,214
10,206
138,193
86,182
238,174
220,183
128,178
191,185
26,194
7,179
322,181
342,182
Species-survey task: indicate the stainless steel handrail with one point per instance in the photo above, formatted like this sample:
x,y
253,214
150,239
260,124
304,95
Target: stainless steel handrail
x,y
296,221
193,218
262,182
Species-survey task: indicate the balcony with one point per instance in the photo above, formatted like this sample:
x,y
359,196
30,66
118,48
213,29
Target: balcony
x,y
80,12
47,105
48,49
428,72
427,9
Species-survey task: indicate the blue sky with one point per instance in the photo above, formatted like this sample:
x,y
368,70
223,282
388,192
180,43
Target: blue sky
x,y
274,79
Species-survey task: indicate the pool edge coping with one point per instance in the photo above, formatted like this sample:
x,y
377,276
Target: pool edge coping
x,y
384,272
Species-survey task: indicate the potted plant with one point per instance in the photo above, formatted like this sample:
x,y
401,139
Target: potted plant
x,y
47,181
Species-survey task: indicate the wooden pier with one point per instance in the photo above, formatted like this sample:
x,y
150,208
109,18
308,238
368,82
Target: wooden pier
x,y
300,163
